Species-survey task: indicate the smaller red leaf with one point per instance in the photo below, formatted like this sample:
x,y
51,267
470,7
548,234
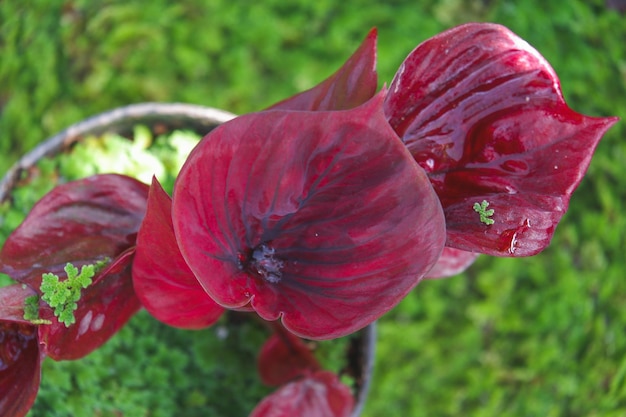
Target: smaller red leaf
x,y
451,262
164,283
318,395
352,85
20,367
283,357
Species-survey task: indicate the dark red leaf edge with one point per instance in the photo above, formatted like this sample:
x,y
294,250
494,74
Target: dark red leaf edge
x,y
320,394
332,199
352,85
162,280
482,112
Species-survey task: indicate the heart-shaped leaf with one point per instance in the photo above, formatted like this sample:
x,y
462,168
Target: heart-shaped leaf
x,y
482,112
322,218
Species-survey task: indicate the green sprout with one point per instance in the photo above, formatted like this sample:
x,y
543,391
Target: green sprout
x,y
63,296
481,209
31,310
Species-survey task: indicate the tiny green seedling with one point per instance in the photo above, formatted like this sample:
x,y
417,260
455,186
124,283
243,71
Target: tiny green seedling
x,y
62,295
485,215
31,310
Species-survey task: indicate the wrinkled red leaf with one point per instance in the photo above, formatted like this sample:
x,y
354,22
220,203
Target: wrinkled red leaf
x,y
20,357
104,307
163,282
284,357
319,395
79,222
352,85
319,217
451,262
482,112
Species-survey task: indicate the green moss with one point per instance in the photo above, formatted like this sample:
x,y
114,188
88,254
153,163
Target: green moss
x,y
150,369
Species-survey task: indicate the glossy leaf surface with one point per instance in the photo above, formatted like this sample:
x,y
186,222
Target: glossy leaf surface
x,y
352,85
319,217
321,394
482,112
163,282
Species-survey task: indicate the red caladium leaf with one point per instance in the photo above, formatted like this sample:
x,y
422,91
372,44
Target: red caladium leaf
x,y
482,112
322,218
451,262
79,222
20,356
104,307
284,357
163,282
321,394
352,85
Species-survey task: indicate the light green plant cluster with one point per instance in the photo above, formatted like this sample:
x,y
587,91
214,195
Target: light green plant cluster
x,y
484,213
141,158
63,295
31,310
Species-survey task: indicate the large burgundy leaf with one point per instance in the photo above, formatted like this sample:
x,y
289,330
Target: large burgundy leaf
x,y
322,218
104,307
79,222
352,85
20,357
319,395
283,357
482,112
163,282
451,262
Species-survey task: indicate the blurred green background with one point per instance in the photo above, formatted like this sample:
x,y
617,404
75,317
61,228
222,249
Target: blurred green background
x,y
541,336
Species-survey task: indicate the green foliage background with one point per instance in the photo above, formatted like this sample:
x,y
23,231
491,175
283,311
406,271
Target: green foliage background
x,y
542,336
